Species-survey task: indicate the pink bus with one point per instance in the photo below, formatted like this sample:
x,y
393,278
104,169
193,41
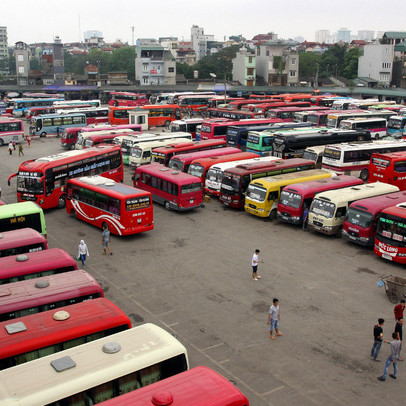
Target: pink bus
x,y
182,162
21,241
288,113
129,99
35,264
11,129
47,293
173,189
362,217
295,198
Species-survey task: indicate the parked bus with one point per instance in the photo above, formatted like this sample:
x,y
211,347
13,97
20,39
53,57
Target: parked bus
x,y
38,111
319,118
187,125
236,180
35,265
54,124
100,201
141,153
238,104
22,215
218,130
266,106
162,114
21,241
199,167
195,102
390,240
362,217
291,144
215,101
174,97
263,194
93,138
94,115
353,158
163,155
44,180
295,198
214,175
260,142
173,189
389,168
11,129
97,371
199,386
38,335
129,99
376,126
224,112
182,162
396,126
21,105
315,154
61,102
334,119
328,209
47,293
287,113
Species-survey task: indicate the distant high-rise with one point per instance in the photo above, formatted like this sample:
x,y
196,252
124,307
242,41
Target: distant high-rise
x,y
366,35
92,34
58,62
199,41
3,42
322,36
344,35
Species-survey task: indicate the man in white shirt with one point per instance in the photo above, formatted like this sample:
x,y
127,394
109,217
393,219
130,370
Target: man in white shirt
x,y
273,318
255,261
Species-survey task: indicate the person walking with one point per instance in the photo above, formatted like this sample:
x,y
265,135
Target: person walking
x,y
305,218
28,138
14,145
398,310
399,332
83,252
378,336
106,240
274,317
20,150
393,358
254,262
10,148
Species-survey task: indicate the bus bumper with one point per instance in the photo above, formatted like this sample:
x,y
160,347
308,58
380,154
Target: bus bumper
x,y
365,241
328,230
256,212
289,219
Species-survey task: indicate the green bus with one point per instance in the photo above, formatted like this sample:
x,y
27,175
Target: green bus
x,y
22,215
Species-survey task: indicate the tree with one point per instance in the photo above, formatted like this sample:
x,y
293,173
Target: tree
x,y
350,70
308,64
122,59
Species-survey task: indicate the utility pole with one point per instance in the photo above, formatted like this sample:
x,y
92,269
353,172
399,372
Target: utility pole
x,y
132,29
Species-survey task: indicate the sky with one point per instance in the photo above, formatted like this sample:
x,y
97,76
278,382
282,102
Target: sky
x,y
42,20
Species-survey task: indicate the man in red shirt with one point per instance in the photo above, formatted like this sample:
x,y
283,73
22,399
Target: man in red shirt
x,y
398,310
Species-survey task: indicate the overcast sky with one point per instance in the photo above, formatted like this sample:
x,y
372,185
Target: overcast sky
x,y
41,20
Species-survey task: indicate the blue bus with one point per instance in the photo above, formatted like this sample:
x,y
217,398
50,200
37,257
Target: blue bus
x,y
20,105
54,124
236,136
396,126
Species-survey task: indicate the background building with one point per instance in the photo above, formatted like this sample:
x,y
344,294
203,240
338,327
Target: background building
x,y
3,43
344,35
199,41
22,56
58,62
244,70
322,36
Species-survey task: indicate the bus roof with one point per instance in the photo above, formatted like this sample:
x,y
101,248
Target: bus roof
x,y
179,146
365,145
225,165
159,143
271,180
391,155
44,260
172,175
43,116
21,236
377,203
261,166
41,330
102,184
212,160
397,210
21,208
190,156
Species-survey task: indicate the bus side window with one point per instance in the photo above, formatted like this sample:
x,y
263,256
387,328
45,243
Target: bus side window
x,y
136,176
340,212
273,195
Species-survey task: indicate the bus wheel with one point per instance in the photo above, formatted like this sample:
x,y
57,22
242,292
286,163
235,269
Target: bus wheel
x,y
167,122
272,214
1,142
61,202
166,205
364,175
43,134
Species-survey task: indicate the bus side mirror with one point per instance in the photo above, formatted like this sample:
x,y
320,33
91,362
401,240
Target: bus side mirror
x,y
8,183
132,178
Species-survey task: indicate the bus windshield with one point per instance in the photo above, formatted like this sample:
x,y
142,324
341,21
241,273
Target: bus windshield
x,y
312,156
323,208
196,170
291,199
392,227
30,183
395,123
135,151
192,187
177,164
358,217
231,183
256,193
214,175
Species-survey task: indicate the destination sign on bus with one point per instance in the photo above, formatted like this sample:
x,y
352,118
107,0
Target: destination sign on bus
x,y
380,162
137,203
331,153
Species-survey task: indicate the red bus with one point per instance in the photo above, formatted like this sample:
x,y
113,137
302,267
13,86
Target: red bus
x,y
70,135
362,216
236,180
294,198
173,189
101,201
199,167
91,139
21,241
265,106
37,335
388,168
224,112
288,113
218,130
162,155
270,97
215,101
181,162
128,99
44,180
35,264
199,386
48,293
296,97
94,115
196,102
390,239
240,103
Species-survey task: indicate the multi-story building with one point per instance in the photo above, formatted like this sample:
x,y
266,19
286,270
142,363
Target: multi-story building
x,y
58,62
366,35
377,63
344,35
154,65
244,70
22,56
278,63
3,43
199,41
322,36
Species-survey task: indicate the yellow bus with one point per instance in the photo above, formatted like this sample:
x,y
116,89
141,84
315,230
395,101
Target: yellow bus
x,y
263,194
327,211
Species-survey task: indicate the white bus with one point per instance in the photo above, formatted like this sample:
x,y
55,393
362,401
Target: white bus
x,y
334,119
327,211
214,175
11,129
96,371
353,158
377,126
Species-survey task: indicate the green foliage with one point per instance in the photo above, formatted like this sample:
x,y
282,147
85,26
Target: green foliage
x,y
350,70
34,64
278,63
308,64
8,64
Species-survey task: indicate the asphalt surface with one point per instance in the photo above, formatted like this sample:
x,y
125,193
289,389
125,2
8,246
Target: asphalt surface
x,y
192,276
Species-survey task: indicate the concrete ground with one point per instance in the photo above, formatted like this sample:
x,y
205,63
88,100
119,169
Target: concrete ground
x,y
192,276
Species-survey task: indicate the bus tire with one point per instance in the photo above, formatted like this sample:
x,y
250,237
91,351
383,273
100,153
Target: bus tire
x,y
364,175
167,122
1,142
61,202
43,134
272,214
166,205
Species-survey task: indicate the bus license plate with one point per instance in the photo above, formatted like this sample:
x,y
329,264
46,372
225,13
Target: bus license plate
x,y
317,228
192,201
386,256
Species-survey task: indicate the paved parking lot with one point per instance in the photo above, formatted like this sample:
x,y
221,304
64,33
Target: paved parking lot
x,y
192,276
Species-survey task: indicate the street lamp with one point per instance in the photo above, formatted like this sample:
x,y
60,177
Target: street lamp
x,y
213,75
98,70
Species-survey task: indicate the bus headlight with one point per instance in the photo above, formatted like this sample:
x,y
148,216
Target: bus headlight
x,y
139,221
